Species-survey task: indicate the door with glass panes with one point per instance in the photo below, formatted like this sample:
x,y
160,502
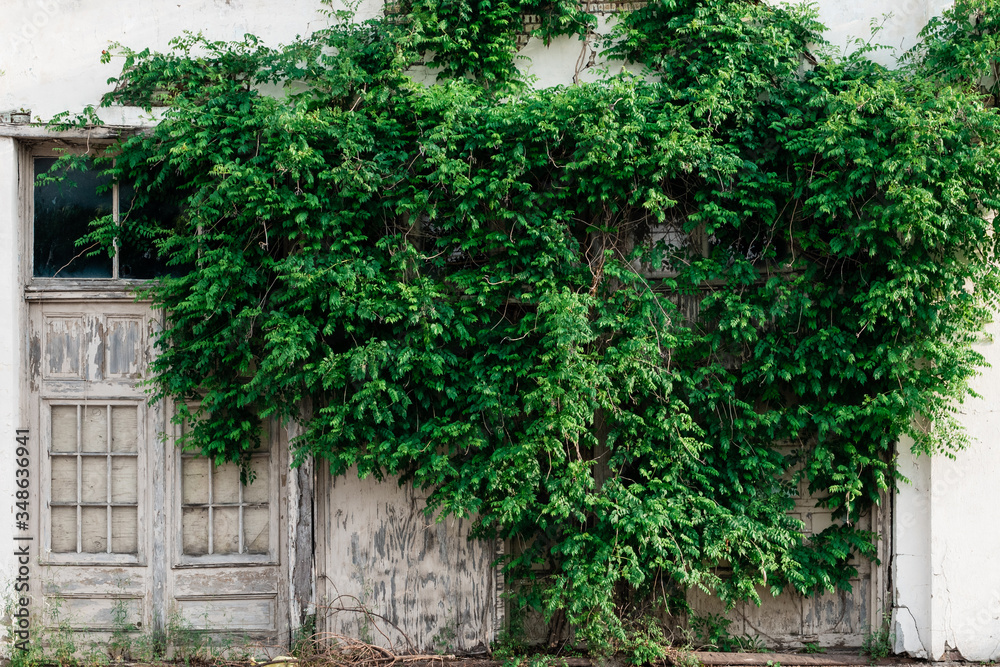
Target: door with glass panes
x,y
132,532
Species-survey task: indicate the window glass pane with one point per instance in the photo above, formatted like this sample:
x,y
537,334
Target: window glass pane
x,y
226,484
195,530
64,479
194,483
124,429
63,212
265,438
256,530
226,531
95,429
123,479
95,530
124,530
63,428
257,492
95,479
64,530
138,257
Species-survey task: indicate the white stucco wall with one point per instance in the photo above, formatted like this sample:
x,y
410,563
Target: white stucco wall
x,y
946,593
50,49
899,20
947,588
911,570
10,356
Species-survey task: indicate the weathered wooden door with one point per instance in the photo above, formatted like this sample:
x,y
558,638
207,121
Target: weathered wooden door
x,y
132,533
389,574
227,571
97,452
133,530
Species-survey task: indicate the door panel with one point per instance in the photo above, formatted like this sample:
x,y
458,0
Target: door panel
x,y
388,572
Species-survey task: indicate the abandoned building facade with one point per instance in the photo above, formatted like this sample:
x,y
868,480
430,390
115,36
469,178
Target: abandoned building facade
x,y
108,512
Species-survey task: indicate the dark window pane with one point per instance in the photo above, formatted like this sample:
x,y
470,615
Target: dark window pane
x,y
140,262
138,257
63,211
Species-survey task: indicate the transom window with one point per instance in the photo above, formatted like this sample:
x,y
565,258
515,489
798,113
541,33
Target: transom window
x,y
63,211
94,495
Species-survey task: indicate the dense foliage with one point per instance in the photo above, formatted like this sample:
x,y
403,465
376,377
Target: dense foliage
x,y
618,322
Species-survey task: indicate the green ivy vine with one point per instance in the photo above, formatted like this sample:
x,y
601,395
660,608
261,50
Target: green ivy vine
x,y
618,322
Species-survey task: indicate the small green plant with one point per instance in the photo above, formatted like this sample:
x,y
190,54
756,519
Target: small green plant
x,y
645,642
444,640
120,645
29,657
812,648
59,638
878,644
712,632
182,643
750,644
53,640
304,639
509,647
150,646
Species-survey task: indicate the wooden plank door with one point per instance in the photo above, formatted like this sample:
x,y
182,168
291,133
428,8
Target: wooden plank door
x,y
391,575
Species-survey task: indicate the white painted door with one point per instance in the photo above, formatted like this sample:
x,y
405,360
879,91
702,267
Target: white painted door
x,y
97,452
132,533
133,530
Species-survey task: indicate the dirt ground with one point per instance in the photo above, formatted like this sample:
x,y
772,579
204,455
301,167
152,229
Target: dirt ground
x,y
710,659
705,658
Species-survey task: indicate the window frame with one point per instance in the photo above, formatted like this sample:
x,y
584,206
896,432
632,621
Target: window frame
x,y
112,286
47,556
175,500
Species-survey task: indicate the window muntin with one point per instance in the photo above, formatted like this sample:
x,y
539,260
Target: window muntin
x,y
669,247
94,463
